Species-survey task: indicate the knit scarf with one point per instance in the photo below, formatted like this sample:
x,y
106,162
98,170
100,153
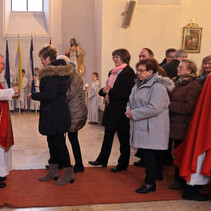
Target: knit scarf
x,y
112,78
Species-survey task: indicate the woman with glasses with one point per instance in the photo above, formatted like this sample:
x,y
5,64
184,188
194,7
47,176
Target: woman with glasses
x,y
149,118
183,100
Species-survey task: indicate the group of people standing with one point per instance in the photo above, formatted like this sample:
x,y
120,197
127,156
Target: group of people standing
x,y
150,111
146,109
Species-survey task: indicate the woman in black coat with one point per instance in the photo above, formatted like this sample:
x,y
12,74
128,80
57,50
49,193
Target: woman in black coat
x,y
116,93
54,113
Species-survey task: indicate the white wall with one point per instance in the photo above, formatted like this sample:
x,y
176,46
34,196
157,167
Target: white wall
x,y
78,23
157,27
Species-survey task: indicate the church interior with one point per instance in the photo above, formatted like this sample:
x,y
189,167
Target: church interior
x,y
99,27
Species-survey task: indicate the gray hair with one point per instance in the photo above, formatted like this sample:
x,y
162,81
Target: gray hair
x,y
191,65
181,54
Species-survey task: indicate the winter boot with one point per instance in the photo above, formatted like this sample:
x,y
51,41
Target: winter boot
x,y
52,173
68,176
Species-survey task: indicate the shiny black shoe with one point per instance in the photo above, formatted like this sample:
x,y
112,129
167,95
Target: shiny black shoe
x,y
78,169
117,169
2,184
176,185
145,189
139,163
97,163
3,179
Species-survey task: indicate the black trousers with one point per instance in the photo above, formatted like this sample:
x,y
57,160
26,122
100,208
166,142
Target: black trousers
x,y
73,137
58,150
153,164
167,154
105,152
176,172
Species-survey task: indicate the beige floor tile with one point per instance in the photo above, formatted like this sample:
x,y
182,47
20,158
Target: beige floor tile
x,y
109,207
167,208
36,158
145,204
189,203
191,208
18,159
85,208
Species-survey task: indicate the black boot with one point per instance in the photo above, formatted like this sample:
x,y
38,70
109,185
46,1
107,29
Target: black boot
x,y
192,193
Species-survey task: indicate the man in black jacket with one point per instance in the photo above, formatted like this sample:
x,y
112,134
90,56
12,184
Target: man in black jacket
x,y
171,67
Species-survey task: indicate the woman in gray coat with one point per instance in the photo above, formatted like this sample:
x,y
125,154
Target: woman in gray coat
x,y
148,112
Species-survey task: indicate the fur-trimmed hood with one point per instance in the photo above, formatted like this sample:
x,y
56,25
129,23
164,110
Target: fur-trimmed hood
x,y
166,81
182,81
61,70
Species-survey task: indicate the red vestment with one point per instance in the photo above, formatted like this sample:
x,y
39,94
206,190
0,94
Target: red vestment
x,y
6,134
198,138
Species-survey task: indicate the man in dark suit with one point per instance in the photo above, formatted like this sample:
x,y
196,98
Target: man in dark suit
x,y
169,56
171,67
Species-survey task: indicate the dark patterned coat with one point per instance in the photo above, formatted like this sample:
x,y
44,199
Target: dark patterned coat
x,y
54,109
183,100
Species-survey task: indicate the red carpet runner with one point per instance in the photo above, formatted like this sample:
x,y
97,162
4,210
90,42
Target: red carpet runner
x,y
94,186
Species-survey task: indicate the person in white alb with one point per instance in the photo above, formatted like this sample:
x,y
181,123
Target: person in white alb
x,y
93,99
21,102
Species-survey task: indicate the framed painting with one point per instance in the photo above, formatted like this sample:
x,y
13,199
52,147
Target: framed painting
x,y
191,41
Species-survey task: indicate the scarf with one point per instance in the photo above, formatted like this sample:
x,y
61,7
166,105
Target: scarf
x,y
6,134
112,78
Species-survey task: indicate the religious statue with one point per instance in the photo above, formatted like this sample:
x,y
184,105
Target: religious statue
x,y
75,54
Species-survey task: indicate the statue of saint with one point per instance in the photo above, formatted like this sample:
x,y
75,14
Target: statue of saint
x,y
75,54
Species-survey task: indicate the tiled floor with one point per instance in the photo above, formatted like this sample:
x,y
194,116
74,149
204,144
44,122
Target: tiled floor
x,y
30,152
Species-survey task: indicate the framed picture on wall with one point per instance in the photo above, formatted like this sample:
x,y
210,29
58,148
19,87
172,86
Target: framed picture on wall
x,y
191,41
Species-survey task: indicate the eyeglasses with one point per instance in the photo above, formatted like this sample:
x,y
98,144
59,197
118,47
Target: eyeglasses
x,y
116,57
180,68
141,71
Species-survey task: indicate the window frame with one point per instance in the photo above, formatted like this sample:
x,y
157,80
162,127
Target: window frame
x,y
27,7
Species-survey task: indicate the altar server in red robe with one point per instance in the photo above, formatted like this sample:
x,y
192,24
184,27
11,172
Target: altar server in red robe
x,y
6,134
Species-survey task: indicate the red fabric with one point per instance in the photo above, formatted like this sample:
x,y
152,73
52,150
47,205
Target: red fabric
x,y
198,138
6,134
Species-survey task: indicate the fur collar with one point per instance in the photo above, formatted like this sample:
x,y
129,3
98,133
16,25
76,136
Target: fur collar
x,y
155,78
50,70
166,81
185,80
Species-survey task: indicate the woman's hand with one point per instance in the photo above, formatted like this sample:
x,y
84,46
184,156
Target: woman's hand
x,y
29,96
128,114
106,90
